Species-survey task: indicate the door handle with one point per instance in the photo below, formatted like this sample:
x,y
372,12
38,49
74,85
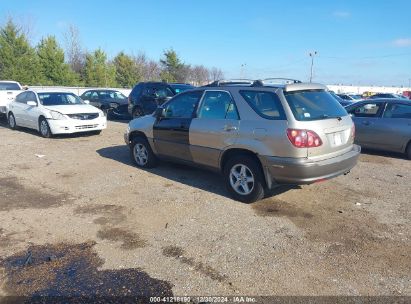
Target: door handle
x,y
229,128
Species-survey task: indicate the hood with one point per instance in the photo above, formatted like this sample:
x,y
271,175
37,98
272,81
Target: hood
x,y
74,109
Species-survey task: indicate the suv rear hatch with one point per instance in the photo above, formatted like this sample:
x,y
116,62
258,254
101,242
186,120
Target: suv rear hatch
x,y
315,109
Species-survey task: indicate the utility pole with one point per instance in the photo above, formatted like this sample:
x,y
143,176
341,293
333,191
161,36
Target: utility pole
x,y
312,64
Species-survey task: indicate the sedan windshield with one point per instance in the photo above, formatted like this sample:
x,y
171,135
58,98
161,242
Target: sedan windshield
x,y
58,99
314,105
9,86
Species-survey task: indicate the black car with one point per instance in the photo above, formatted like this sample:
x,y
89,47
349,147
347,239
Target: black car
x,y
383,95
113,103
342,102
147,96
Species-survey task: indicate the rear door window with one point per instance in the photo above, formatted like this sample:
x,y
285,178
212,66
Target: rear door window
x,y
396,110
183,105
314,105
370,109
264,103
217,105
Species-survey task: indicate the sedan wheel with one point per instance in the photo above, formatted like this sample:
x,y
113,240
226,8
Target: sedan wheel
x,y
12,122
44,128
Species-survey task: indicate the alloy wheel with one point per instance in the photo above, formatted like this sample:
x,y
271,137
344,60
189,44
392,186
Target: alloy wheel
x,y
241,179
140,154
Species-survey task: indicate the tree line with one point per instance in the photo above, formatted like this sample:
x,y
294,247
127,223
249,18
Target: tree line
x,y
49,64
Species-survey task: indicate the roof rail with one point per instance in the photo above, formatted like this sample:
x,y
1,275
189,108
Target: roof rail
x,y
222,82
274,82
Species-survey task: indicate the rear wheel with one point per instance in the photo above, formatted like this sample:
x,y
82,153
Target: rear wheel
x,y
12,122
44,128
141,153
244,179
138,112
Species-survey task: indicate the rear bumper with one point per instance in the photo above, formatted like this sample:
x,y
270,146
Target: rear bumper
x,y
281,170
68,126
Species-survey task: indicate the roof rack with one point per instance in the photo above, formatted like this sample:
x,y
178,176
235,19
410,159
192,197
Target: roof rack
x,y
222,82
274,81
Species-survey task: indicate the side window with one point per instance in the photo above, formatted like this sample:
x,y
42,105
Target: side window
x,y
87,95
396,110
265,104
21,98
183,105
367,110
31,97
163,92
93,95
217,105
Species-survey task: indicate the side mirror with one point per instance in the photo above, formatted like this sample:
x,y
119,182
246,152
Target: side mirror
x,y
32,103
158,113
86,101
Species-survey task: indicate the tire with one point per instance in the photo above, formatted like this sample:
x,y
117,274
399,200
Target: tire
x,y
243,179
138,112
141,153
44,128
11,120
107,112
408,151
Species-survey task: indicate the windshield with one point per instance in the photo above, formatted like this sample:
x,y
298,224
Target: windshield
x,y
178,88
58,99
314,105
9,86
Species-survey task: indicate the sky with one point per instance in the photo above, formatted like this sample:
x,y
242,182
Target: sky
x,y
357,42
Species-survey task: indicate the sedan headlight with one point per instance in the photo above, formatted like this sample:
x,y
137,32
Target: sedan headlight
x,y
57,115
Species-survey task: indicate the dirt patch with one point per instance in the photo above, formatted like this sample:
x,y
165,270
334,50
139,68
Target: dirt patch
x,y
178,253
375,159
14,195
72,270
98,209
111,214
129,240
276,207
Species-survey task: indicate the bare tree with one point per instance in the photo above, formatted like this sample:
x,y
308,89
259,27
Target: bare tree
x,y
216,74
74,52
200,75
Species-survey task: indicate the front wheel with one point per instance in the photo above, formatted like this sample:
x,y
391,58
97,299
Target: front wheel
x,y
44,128
244,179
141,153
12,122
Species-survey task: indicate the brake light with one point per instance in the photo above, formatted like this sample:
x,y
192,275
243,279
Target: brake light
x,y
353,131
304,138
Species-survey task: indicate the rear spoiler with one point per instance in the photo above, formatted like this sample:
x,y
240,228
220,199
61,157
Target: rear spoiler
x,y
304,87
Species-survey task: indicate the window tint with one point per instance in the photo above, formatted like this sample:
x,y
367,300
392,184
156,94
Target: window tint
x,y
162,92
183,105
94,95
314,105
217,105
266,104
21,98
395,110
367,110
9,86
136,92
87,94
31,97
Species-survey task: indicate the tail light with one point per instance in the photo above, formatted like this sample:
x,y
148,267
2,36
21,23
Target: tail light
x,y
304,138
353,131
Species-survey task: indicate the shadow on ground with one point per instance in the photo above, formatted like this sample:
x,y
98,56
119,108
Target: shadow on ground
x,y
191,176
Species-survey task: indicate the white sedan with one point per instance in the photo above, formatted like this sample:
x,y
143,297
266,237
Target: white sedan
x,y
54,113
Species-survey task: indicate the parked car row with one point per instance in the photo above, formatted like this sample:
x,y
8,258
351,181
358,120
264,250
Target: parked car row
x,y
257,134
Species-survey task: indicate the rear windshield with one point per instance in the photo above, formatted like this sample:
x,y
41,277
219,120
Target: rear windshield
x,y
314,105
9,86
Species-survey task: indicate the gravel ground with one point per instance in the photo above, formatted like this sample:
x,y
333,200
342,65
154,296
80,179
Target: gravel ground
x,y
79,198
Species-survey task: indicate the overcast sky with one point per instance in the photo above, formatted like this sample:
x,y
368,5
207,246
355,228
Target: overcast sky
x,y
358,42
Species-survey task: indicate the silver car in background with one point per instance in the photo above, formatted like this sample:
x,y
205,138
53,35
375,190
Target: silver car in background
x,y
258,134
383,124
